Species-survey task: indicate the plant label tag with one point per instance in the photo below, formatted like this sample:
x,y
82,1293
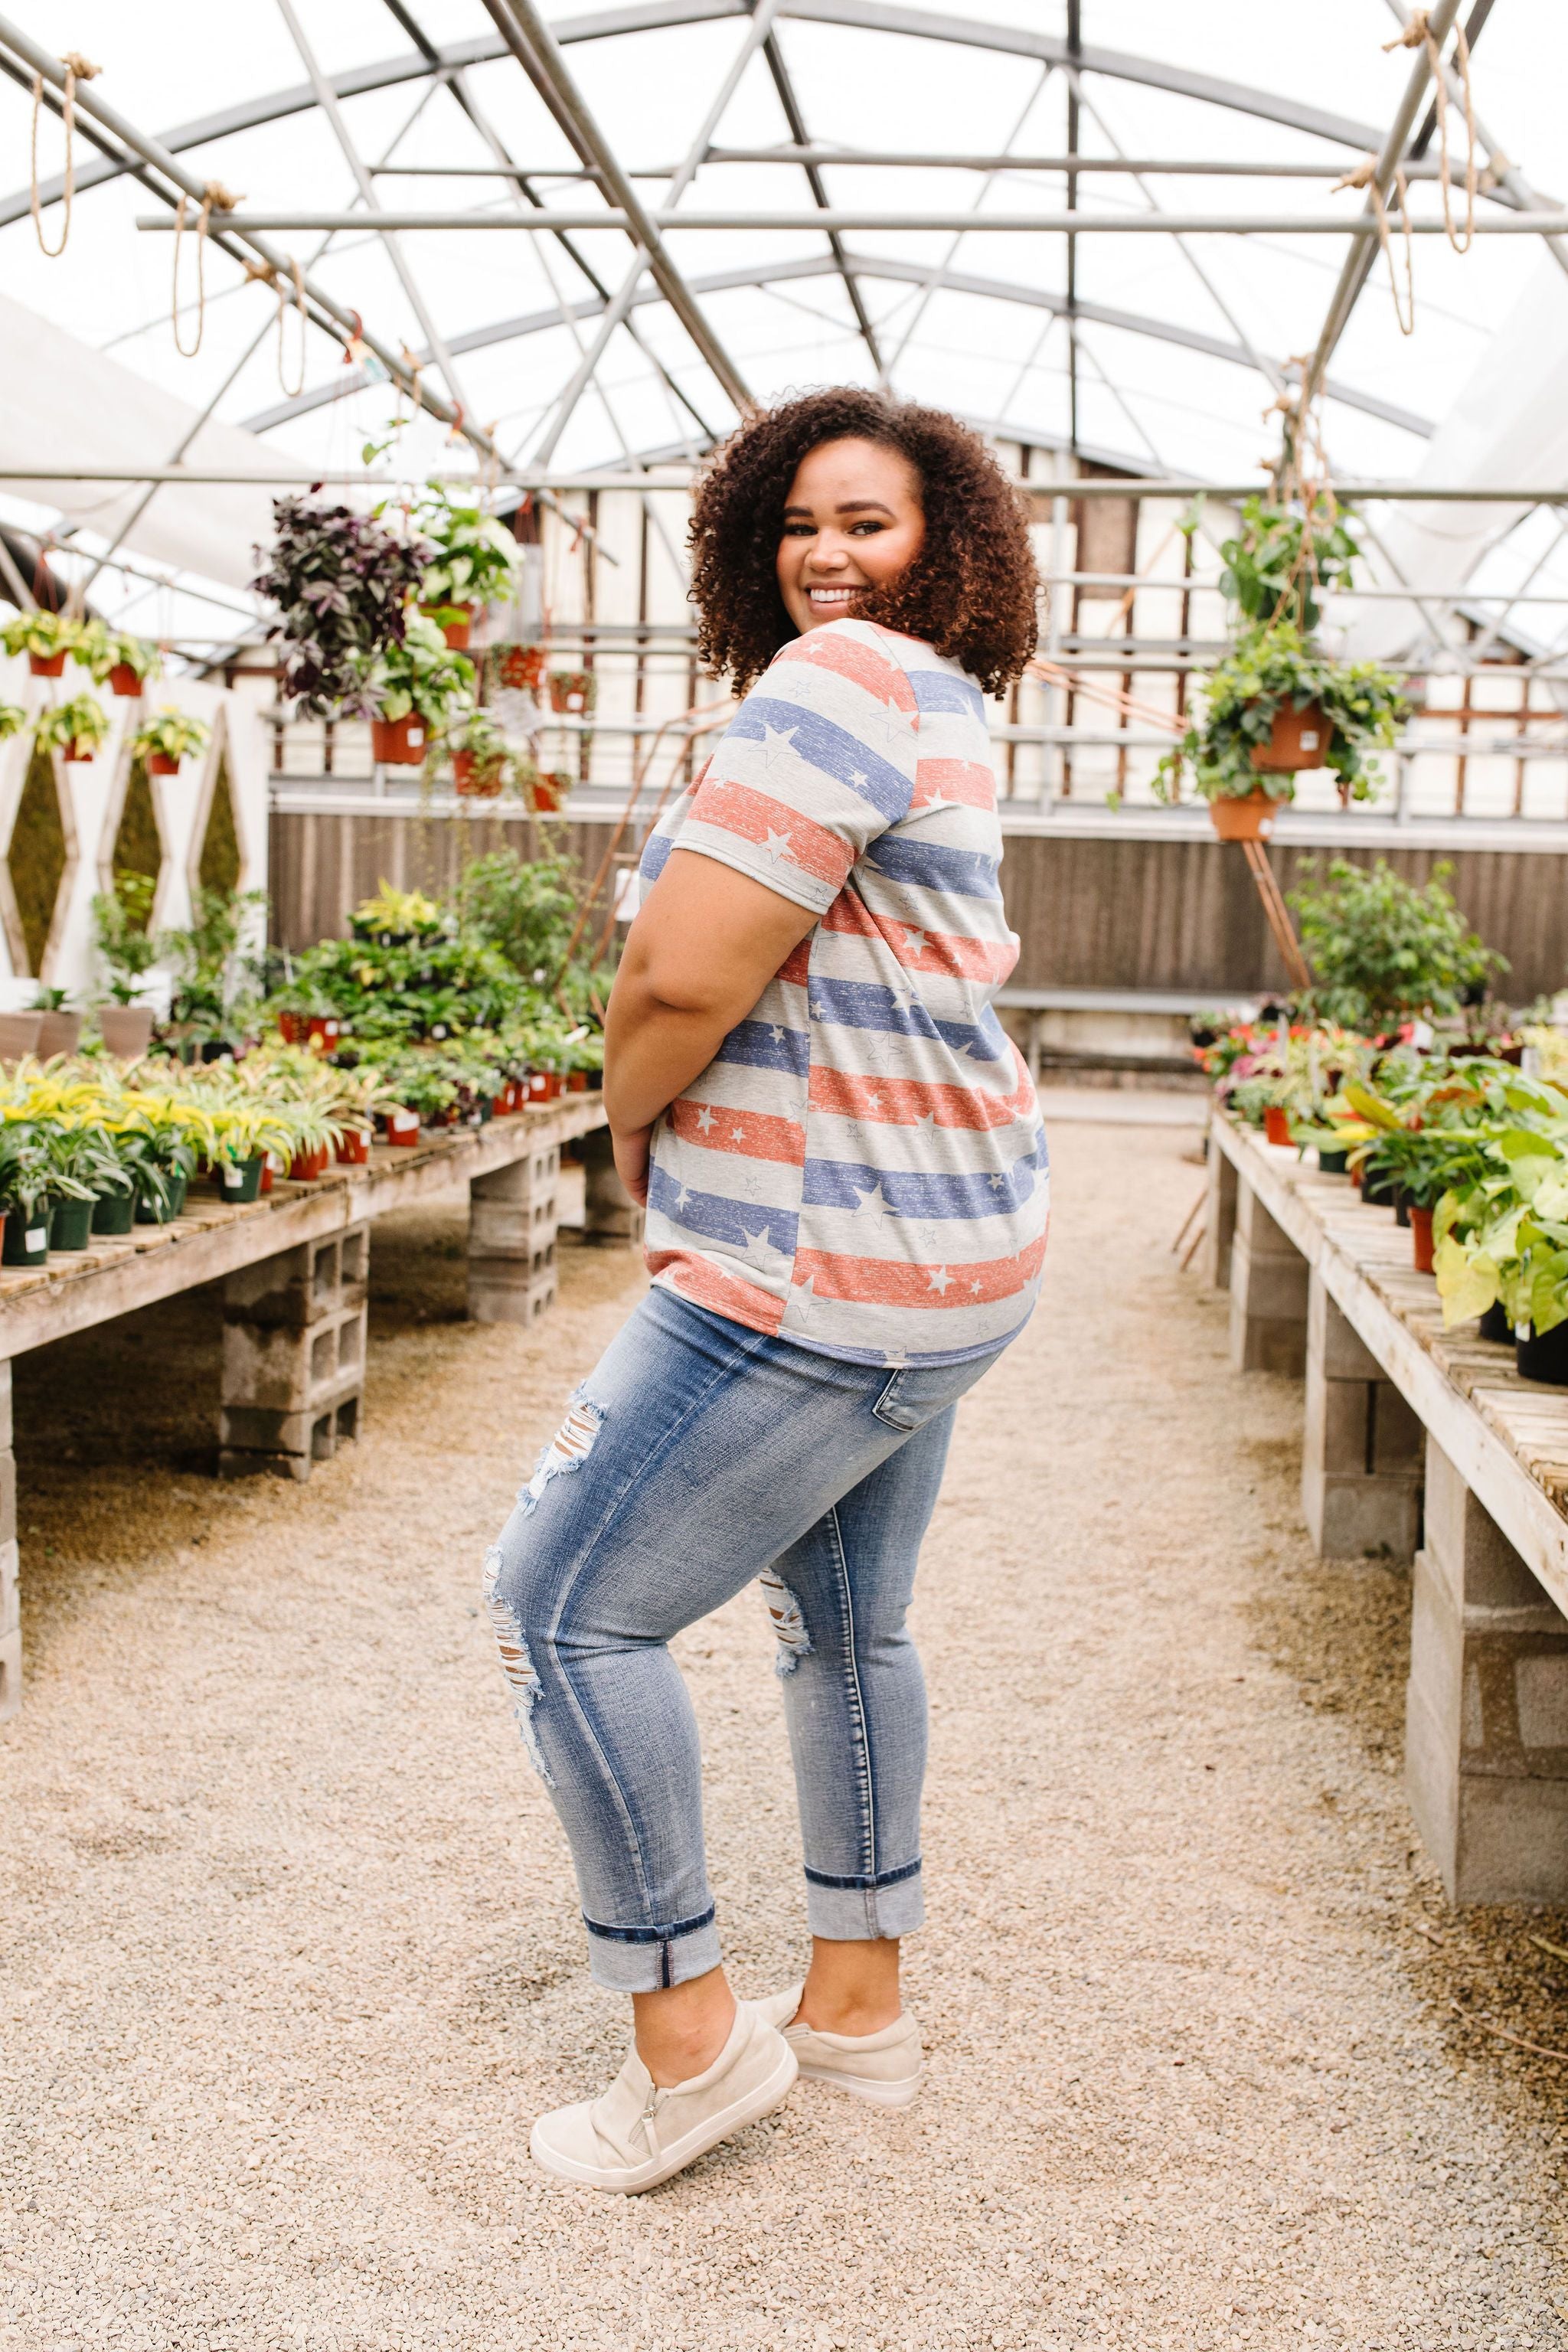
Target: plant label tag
x,y
233,1180
1422,1036
36,1236
1309,739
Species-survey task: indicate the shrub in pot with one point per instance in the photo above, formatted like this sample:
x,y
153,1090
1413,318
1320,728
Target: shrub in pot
x,y
1384,950
77,728
167,738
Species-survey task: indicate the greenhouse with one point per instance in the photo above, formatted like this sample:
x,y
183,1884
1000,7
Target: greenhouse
x,y
670,674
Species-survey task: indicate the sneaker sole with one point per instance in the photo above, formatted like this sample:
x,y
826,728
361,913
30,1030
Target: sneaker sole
x,y
866,2087
632,2181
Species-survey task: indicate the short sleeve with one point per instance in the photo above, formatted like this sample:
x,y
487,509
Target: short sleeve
x,y
818,760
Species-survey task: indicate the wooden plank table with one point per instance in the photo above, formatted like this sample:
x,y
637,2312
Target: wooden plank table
x,y
1426,1443
294,1266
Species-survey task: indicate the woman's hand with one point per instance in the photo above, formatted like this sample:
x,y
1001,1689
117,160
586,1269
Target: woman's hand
x,y
631,1161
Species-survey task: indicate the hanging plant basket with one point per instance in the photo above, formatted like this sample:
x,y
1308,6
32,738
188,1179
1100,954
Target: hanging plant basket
x,y
520,668
456,623
48,664
124,681
548,792
572,692
474,778
160,763
399,743
1248,816
1298,738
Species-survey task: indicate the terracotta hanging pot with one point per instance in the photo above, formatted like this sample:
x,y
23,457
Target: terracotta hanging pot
x,y
549,793
48,664
1250,817
80,750
456,630
124,681
473,782
1298,738
398,742
161,763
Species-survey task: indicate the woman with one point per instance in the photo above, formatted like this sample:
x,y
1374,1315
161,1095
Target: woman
x,y
844,1176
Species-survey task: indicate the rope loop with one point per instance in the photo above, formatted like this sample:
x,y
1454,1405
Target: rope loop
x,y
215,199
1417,34
78,68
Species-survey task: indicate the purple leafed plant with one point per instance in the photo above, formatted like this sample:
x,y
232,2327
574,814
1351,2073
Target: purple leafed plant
x,y
341,583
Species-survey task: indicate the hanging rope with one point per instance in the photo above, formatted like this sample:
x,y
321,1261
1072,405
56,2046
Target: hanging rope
x,y
215,199
1416,35
1365,176
78,68
266,273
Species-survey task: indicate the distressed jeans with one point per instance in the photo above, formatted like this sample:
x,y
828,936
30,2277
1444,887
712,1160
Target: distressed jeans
x,y
696,1456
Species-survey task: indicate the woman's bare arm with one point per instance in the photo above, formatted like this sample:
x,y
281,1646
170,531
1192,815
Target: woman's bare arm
x,y
701,950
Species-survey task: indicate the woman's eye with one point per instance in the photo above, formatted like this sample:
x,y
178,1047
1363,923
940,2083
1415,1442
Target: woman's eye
x,y
863,530
799,531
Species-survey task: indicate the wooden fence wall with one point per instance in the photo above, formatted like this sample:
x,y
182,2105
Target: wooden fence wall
x,y
1091,912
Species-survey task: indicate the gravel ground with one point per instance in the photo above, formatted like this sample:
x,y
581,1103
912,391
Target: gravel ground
x,y
288,1958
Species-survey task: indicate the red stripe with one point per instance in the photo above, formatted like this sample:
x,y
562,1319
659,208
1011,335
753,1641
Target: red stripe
x,y
797,965
752,816
754,1134
904,1102
947,954
954,779
851,658
698,1279
884,1282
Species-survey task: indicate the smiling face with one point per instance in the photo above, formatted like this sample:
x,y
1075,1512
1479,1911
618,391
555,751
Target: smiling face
x,y
853,521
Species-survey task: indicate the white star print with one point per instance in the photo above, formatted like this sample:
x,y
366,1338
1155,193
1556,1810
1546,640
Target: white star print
x,y
737,1135
975,1288
997,1180
774,846
778,1035
800,1301
759,1248
705,1118
873,1102
939,1280
819,1012
928,1124
683,1196
874,1204
916,940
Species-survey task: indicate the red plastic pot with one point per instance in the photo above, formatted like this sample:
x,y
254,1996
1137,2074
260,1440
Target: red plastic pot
x,y
476,784
1250,818
82,750
161,763
403,1128
398,742
522,668
550,792
578,1082
1277,1125
48,664
124,681
325,1027
457,633
1298,738
271,1167
306,1165
291,1028
1421,1236
354,1149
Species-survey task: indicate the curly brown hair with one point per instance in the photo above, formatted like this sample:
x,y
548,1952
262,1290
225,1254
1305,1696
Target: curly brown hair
x,y
972,591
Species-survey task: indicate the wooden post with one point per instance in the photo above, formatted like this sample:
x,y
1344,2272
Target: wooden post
x,y
512,1217
1486,1762
293,1356
1363,1449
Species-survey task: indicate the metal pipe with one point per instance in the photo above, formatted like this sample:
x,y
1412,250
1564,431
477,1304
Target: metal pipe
x,y
664,478
913,161
634,221
539,53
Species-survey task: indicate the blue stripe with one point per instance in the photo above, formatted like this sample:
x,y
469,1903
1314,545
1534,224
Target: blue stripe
x,y
834,751
718,1219
754,1043
938,689
968,873
860,1005
839,1184
655,855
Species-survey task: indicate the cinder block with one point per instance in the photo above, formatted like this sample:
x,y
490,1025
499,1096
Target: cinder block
x,y
1468,1549
283,1367
1256,1228
7,1496
1343,1354
1347,1515
10,1673
1267,1311
298,1287
10,1588
506,1290
1398,1434
293,1356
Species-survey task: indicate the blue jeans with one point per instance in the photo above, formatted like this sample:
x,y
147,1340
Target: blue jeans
x,y
698,1456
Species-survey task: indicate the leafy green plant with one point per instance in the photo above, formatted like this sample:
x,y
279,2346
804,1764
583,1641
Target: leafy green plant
x,y
525,907
80,719
1268,668
127,652
41,634
218,960
171,735
25,1171
1283,558
420,673
475,557
408,913
125,945
1385,950
341,583
13,718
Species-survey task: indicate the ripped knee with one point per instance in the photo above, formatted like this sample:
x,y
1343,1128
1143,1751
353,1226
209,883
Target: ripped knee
x,y
568,1449
521,1677
788,1623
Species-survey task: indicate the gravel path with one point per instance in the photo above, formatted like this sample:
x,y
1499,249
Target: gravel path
x,y
288,1958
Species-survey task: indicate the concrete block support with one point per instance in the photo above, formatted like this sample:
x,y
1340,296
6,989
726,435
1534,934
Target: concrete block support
x,y
1363,1451
1219,1219
293,1356
10,1564
610,1216
1267,1292
1487,1708
512,1218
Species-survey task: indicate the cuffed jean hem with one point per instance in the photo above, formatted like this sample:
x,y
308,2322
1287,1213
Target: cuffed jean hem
x,y
859,1910
648,1959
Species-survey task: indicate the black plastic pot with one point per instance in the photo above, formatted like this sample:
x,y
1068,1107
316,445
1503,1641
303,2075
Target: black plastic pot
x,y
1333,1163
70,1225
1380,1191
1545,1358
114,1213
239,1181
1401,1205
27,1239
148,1213
1495,1325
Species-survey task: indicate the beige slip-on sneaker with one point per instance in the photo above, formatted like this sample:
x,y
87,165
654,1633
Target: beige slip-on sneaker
x,y
883,2067
635,2135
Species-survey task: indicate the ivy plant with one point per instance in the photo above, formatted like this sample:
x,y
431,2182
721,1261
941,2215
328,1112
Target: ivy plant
x,y
1270,666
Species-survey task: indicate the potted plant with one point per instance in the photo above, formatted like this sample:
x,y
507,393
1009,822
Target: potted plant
x,y
131,662
46,638
128,949
515,668
474,562
25,1183
1383,949
572,692
548,791
167,738
478,754
415,685
393,917
59,1029
77,728
83,1165
341,583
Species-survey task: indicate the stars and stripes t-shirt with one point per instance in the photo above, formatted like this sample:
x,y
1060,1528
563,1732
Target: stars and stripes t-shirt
x,y
860,1169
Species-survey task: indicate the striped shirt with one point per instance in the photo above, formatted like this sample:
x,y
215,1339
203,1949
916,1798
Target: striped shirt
x,y
860,1169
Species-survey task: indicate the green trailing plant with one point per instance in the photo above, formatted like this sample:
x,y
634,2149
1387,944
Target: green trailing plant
x,y
1268,668
81,719
420,673
1384,950
41,634
1283,557
171,735
341,583
125,945
474,558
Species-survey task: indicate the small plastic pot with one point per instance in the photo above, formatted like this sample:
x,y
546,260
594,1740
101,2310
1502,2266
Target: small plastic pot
x,y
354,1149
149,1212
403,1128
80,751
473,782
70,1225
457,630
163,763
26,1240
399,743
1401,1205
239,1181
1298,738
325,1027
1331,1163
1380,1191
1277,1125
114,1213
1421,1237
578,1082
271,1168
1247,816
124,682
48,664
293,1028
1495,1325
306,1165
1544,1359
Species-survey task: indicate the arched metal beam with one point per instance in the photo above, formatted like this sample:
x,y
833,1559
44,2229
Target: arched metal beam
x,y
655,15
504,331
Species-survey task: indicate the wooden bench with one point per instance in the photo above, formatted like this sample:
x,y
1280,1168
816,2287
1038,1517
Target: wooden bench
x,y
295,1267
1426,1445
